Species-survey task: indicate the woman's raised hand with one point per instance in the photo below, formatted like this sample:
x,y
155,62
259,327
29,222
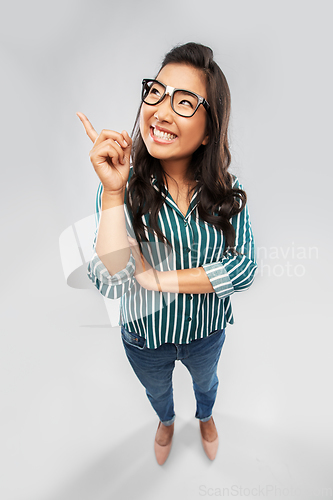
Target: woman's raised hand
x,y
110,156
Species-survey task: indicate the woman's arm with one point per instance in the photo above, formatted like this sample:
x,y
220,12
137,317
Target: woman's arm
x,y
196,280
117,284
112,244
112,266
234,272
193,280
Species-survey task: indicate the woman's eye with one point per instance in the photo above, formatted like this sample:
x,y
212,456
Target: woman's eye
x,y
186,103
154,91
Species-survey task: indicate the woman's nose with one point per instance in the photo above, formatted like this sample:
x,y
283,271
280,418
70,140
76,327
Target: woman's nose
x,y
164,110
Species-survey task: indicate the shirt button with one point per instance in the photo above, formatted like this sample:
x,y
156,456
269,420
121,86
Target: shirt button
x,y
185,222
189,319
189,297
187,249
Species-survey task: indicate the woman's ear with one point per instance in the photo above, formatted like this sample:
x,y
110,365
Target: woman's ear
x,y
205,141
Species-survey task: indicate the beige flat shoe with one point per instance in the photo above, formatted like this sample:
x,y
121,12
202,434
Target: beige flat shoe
x,y
162,452
210,447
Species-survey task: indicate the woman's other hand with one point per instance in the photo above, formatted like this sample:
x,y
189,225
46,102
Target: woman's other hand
x,y
145,274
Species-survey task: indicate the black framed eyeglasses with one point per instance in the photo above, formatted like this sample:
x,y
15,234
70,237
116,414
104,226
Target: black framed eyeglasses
x,y
183,102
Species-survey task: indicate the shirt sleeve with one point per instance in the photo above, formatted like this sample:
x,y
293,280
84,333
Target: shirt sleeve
x,y
118,284
234,272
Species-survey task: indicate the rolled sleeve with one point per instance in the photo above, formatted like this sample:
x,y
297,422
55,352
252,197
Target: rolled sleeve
x,y
219,278
111,286
235,271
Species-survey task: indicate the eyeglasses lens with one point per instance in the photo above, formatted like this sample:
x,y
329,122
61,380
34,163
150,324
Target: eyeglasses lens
x,y
152,92
184,103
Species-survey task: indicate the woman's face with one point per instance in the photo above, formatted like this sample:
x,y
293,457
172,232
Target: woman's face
x,y
186,134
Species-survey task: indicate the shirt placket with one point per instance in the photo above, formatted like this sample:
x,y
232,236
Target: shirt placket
x,y
187,261
185,220
188,312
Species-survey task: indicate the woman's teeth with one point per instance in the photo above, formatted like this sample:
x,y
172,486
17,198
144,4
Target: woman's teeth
x,y
163,135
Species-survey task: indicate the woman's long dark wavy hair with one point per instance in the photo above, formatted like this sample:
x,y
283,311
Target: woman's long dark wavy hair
x,y
217,200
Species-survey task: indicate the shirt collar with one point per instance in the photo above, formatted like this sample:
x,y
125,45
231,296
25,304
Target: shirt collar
x,y
154,182
169,200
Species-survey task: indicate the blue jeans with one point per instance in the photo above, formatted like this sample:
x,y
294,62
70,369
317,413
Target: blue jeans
x,y
154,368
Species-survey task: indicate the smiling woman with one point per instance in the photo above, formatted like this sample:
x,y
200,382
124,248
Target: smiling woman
x,y
174,238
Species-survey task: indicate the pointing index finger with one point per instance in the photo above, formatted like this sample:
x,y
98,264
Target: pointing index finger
x,y
91,132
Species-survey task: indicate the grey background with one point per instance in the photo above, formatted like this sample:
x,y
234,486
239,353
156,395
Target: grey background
x,y
75,422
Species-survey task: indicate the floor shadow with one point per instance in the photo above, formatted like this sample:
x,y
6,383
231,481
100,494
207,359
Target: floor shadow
x,y
249,456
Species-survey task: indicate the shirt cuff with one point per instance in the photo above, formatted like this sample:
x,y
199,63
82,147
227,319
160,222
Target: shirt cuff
x,y
219,278
97,269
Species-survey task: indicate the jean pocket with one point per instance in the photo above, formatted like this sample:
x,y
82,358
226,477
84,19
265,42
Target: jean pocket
x,y
133,339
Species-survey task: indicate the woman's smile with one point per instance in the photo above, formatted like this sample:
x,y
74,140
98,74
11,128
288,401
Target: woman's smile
x,y
162,136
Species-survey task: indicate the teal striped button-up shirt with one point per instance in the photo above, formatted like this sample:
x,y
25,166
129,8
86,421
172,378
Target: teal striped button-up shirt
x,y
179,318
